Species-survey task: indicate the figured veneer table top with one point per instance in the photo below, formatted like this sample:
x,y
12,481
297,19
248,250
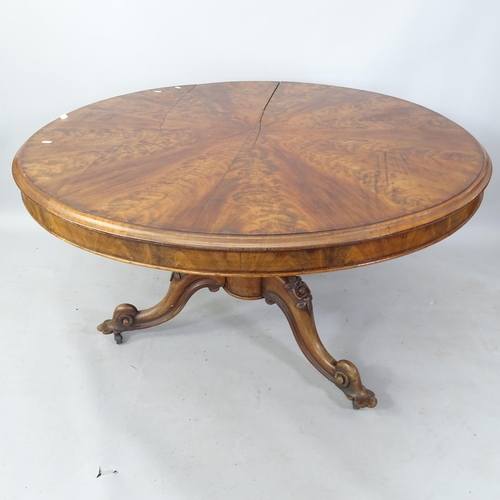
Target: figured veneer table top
x,y
252,178
243,185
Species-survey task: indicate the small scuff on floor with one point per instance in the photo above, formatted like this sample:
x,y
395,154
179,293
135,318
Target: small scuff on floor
x,y
105,472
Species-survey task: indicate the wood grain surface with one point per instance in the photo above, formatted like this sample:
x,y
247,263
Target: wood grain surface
x,y
252,178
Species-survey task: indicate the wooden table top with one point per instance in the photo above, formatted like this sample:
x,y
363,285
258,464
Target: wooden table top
x,y
252,177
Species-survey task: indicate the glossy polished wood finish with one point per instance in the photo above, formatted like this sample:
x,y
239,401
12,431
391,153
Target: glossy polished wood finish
x,y
126,317
291,295
294,298
252,178
244,185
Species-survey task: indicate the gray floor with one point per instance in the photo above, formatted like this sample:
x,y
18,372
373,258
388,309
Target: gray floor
x,y
220,403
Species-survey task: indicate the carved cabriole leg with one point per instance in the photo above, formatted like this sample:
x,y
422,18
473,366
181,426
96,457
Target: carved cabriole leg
x,y
291,294
126,317
294,298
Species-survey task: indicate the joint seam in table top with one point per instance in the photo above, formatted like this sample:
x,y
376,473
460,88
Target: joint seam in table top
x,y
69,209
168,112
262,115
242,146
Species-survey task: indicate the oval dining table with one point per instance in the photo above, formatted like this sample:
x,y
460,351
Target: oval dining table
x,y
247,185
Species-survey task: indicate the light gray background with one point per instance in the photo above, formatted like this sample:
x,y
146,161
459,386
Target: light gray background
x,y
220,403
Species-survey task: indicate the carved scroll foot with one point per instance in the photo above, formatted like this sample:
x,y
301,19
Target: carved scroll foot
x,y
126,317
294,298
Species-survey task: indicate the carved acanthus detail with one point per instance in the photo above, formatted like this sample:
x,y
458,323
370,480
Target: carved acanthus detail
x,y
294,298
291,295
300,291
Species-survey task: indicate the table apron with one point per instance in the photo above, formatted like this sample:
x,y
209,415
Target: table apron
x,y
251,262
